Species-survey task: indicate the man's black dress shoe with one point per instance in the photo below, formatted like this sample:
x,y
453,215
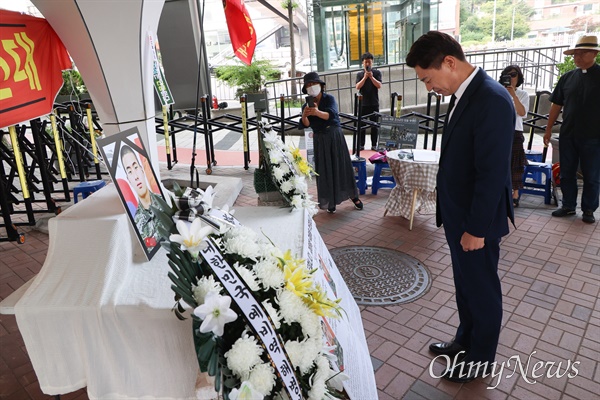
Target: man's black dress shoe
x,y
464,372
446,348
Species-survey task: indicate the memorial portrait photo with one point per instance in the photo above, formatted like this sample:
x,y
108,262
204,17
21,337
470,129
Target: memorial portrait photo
x,y
131,171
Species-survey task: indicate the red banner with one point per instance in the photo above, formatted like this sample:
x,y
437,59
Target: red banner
x,y
241,30
32,58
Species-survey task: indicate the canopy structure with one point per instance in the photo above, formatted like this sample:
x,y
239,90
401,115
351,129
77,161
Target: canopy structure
x,y
108,41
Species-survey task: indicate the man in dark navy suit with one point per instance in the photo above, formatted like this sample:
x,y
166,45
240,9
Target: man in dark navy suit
x,y
474,200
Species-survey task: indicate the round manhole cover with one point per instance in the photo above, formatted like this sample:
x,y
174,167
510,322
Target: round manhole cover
x,y
378,276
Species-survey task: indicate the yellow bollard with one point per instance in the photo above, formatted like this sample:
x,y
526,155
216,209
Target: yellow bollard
x,y
166,129
19,161
399,106
92,134
59,147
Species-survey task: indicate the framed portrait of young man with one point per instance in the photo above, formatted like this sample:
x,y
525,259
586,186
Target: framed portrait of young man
x,y
130,169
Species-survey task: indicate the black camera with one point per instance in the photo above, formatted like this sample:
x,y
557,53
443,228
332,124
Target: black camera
x,y
505,80
368,68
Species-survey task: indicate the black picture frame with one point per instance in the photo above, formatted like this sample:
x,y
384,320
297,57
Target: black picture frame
x,y
398,133
111,148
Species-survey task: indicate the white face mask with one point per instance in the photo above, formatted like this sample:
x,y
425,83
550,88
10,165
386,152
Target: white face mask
x,y
314,90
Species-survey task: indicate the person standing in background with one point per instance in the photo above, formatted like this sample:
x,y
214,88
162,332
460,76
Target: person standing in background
x,y
511,78
473,196
368,82
577,95
335,173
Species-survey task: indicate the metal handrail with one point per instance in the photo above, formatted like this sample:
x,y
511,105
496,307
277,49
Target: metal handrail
x,y
537,63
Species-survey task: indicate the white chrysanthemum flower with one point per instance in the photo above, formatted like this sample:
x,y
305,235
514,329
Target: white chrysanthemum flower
x,y
299,183
245,392
287,187
215,313
278,173
311,207
297,201
311,325
267,249
191,238
248,277
291,306
242,231
205,286
269,273
262,377
285,168
275,157
243,355
243,242
318,388
301,354
273,313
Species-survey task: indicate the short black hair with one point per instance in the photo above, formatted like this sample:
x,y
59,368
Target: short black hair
x,y
429,50
515,68
367,56
127,150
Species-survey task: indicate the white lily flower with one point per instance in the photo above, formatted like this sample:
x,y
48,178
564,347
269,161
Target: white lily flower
x,y
191,238
329,352
209,195
245,392
270,136
215,313
337,380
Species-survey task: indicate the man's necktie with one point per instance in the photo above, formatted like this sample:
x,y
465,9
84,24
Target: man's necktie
x,y
450,107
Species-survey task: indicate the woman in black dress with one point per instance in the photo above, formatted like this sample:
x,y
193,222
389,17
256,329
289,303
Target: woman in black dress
x,y
335,180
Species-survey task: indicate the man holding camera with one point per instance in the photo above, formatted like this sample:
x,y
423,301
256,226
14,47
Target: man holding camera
x,y
368,82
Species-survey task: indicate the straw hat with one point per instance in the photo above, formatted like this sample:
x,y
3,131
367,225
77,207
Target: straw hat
x,y
310,78
584,43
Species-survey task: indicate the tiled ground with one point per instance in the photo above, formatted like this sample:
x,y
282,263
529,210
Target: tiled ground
x,y
550,271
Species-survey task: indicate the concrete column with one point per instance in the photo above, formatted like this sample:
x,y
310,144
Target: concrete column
x,y
108,41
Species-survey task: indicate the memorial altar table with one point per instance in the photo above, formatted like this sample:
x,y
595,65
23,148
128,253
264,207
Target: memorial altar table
x,y
98,315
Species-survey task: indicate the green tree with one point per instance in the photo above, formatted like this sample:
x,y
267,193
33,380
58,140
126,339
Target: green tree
x,y
569,64
477,22
72,83
247,78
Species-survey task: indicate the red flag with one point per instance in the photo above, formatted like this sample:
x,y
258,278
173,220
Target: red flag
x,y
241,30
32,58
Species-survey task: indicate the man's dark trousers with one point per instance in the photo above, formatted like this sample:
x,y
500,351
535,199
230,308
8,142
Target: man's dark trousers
x,y
574,151
476,273
366,110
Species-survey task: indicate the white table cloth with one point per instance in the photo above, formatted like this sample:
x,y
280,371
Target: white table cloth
x,y
99,316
